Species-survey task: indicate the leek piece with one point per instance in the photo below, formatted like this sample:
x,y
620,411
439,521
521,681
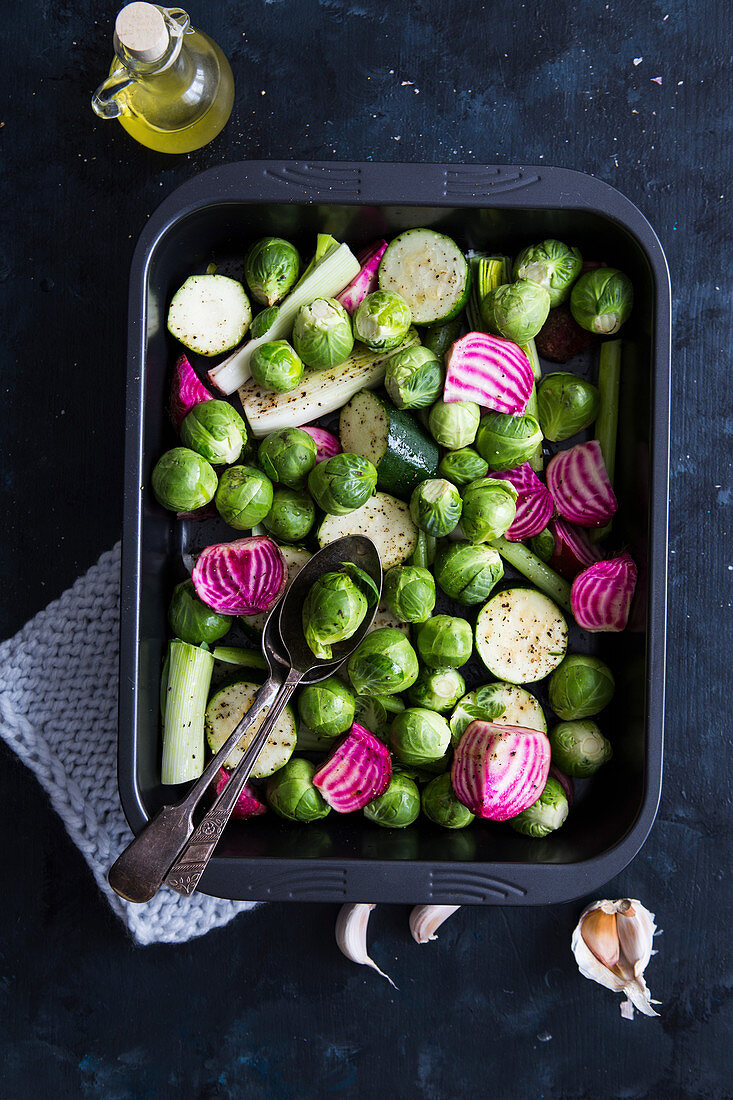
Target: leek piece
x,y
237,655
530,350
189,677
535,570
327,279
325,243
609,381
487,273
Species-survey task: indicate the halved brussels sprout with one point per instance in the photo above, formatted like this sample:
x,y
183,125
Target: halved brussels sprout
x,y
441,806
398,807
463,466
382,321
552,264
335,607
183,481
327,708
384,663
566,404
288,456
291,516
263,322
543,545
489,509
276,366
216,431
435,506
546,814
375,713
453,424
244,496
579,748
580,686
506,441
419,736
414,378
445,641
437,689
409,592
271,268
322,334
602,300
468,573
192,620
343,483
291,794
516,311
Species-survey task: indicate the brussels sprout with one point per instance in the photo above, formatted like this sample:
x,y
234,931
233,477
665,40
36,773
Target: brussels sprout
x,y
335,607
343,483
453,424
322,334
546,814
263,322
580,686
409,592
480,705
398,806
271,268
419,736
414,378
602,300
445,641
579,748
192,620
244,496
566,405
552,264
543,544
489,509
516,311
375,713
275,366
468,573
506,441
440,804
291,516
463,466
183,481
442,335
435,506
382,320
384,663
327,708
216,431
288,456
437,689
291,794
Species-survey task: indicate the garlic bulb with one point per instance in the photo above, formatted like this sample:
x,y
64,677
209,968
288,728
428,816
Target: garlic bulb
x,y
351,930
612,944
425,920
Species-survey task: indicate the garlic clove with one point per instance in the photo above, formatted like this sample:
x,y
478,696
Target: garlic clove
x,y
351,930
612,944
600,935
425,920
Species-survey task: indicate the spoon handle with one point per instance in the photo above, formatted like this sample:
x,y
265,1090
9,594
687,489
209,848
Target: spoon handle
x,y
185,874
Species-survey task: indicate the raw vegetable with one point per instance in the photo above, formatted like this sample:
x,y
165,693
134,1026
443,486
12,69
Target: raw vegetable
x,y
463,466
454,425
319,392
325,245
292,795
327,708
566,405
565,781
445,642
343,483
335,608
561,337
191,620
609,378
425,920
209,314
535,570
382,321
536,459
216,431
385,617
498,771
419,736
468,573
237,655
580,487
489,509
291,515
295,557
424,553
490,371
602,300
546,814
487,273
501,703
409,592
612,943
322,334
186,391
506,441
271,269
414,378
429,271
376,712
383,519
391,439
534,505
601,595
543,544
580,687
358,770
227,707
276,366
327,445
439,336
384,663
189,677
441,806
552,264
521,635
263,322
435,506
366,281
329,277
288,456
247,805
240,577
579,748
244,496
398,807
183,481
572,550
516,311
351,929
437,689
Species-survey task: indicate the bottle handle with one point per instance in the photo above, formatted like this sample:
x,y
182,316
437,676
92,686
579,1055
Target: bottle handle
x,y
105,102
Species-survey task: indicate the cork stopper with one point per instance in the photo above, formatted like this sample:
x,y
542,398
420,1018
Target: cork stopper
x,y
142,30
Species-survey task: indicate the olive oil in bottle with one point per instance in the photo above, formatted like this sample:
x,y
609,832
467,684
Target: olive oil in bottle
x,y
169,86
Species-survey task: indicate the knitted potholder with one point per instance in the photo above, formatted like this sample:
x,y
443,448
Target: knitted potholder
x,y
58,710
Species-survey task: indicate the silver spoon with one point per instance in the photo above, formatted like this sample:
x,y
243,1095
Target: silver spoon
x,y
169,849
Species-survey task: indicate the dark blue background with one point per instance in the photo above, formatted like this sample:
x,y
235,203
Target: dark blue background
x,y
267,1006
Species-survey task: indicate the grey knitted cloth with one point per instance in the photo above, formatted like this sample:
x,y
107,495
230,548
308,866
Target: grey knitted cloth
x,y
58,711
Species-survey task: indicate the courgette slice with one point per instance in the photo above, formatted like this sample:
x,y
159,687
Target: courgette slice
x,y
209,314
383,519
521,635
430,272
227,707
393,440
520,709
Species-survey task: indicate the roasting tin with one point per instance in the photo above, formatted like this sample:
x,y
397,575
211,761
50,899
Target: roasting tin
x,y
499,208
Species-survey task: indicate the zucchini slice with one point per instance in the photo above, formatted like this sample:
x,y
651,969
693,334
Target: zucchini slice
x,y
521,636
521,709
383,519
295,559
224,711
393,440
430,272
384,617
209,314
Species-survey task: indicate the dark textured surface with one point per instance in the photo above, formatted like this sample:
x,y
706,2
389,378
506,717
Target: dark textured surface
x,y
267,1006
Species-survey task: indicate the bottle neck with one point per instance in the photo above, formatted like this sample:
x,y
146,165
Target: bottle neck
x,y
177,23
